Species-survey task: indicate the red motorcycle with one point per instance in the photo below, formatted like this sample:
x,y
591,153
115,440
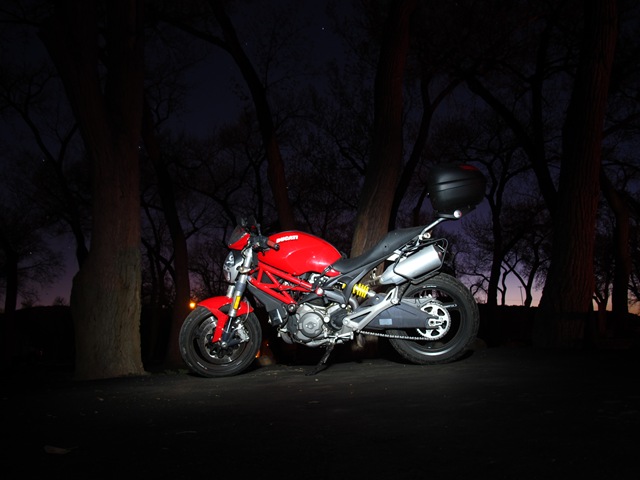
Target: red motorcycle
x,y
316,297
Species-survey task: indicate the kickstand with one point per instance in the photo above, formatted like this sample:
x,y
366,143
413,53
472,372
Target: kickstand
x,y
322,364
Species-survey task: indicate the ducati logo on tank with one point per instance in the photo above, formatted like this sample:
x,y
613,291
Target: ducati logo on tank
x,y
287,238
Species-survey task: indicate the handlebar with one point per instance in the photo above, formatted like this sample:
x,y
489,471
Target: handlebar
x,y
257,240
273,245
262,243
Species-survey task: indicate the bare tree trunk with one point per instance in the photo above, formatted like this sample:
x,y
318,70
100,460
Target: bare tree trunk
x,y
275,171
569,288
7,328
105,298
428,109
180,255
11,273
383,169
622,253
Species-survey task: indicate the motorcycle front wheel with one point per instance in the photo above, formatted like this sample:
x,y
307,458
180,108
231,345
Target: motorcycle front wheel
x,y
212,359
453,319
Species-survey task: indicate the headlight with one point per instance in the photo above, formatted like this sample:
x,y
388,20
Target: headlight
x,y
230,266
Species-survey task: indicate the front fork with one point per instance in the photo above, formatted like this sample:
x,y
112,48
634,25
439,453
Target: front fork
x,y
236,293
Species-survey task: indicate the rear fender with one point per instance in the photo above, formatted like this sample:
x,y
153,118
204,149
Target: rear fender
x,y
219,307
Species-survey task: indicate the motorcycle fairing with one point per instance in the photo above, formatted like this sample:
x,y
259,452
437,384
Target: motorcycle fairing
x,y
300,253
217,306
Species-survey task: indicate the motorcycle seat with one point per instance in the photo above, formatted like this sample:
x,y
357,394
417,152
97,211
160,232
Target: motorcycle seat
x,y
391,242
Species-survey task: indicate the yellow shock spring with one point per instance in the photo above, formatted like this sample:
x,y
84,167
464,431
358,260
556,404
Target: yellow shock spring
x,y
360,290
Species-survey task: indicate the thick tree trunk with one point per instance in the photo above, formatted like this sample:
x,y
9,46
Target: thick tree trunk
x,y
105,298
569,288
385,162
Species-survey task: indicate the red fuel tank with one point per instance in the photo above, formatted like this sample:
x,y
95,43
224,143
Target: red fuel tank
x,y
300,253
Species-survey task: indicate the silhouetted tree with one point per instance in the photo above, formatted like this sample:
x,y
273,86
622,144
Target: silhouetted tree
x,y
621,260
52,179
168,201
568,290
26,259
105,298
634,281
229,41
574,202
385,162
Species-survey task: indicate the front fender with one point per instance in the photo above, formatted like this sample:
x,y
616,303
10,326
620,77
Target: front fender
x,y
218,306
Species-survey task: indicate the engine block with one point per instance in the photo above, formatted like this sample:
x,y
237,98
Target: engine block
x,y
307,323
311,323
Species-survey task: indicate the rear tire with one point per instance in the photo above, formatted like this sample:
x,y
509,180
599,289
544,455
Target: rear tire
x,y
210,359
446,298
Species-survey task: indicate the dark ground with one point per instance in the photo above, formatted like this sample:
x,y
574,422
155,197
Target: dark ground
x,y
512,413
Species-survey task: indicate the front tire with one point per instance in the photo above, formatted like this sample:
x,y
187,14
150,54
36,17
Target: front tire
x,y
211,359
452,308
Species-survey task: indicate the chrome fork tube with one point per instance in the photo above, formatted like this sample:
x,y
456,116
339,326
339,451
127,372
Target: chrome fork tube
x,y
237,294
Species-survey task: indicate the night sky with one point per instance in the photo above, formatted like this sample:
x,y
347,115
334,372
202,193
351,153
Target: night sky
x,y
210,104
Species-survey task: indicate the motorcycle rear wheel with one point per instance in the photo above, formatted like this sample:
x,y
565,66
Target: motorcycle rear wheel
x,y
211,359
446,298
